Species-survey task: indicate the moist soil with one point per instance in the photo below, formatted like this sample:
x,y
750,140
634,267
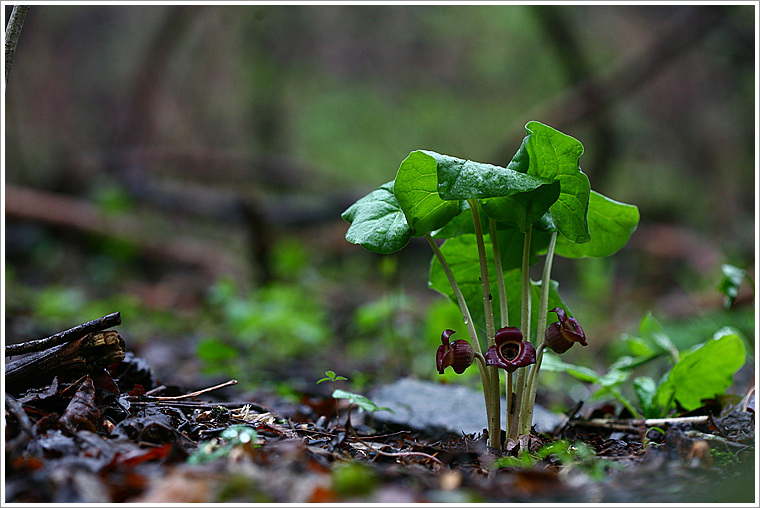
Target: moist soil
x,y
119,435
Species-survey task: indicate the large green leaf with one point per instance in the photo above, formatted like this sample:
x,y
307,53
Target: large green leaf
x,y
554,155
461,254
416,190
462,224
522,209
510,238
610,223
377,222
703,373
460,179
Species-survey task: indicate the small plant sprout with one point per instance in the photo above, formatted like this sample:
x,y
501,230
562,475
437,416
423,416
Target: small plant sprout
x,y
331,376
487,225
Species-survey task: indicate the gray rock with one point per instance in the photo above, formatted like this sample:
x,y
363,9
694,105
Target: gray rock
x,y
436,408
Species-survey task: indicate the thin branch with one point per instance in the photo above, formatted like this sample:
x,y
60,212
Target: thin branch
x,y
12,33
72,334
192,394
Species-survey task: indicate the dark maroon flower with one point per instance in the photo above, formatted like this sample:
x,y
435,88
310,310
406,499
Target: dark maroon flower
x,y
564,333
458,354
510,351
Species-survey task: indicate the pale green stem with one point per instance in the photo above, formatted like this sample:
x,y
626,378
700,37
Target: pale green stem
x,y
487,305
510,397
491,409
627,405
525,328
503,308
514,407
494,425
481,360
525,322
462,307
529,401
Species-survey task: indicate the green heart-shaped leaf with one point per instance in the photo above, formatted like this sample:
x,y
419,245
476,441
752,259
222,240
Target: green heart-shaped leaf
x,y
460,179
554,155
377,222
416,190
704,372
611,225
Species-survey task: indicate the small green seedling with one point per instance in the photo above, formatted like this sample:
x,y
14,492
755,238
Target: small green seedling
x,y
331,376
231,437
359,400
569,454
494,223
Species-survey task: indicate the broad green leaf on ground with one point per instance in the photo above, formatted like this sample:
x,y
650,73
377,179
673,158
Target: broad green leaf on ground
x,y
703,373
377,222
610,224
360,400
554,155
416,190
552,363
645,387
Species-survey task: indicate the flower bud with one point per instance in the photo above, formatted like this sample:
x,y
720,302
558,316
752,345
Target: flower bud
x,y
458,354
560,336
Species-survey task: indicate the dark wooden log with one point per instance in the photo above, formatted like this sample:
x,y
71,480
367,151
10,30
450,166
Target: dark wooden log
x,y
86,354
96,325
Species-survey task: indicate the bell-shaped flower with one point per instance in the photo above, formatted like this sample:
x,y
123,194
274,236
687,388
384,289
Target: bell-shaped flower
x,y
510,351
458,354
564,333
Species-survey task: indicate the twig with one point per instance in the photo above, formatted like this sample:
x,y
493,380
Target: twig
x,y
69,335
396,454
15,408
633,424
188,395
12,33
712,437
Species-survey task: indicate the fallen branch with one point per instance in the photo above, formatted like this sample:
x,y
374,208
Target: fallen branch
x,y
86,354
96,325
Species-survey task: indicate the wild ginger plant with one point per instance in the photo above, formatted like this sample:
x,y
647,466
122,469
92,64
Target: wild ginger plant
x,y
494,222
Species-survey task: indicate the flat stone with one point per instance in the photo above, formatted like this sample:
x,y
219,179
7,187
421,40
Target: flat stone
x,y
442,408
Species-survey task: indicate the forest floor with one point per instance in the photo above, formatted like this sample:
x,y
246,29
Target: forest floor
x,y
118,435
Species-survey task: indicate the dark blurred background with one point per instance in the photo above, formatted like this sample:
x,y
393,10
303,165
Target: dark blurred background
x,y
187,166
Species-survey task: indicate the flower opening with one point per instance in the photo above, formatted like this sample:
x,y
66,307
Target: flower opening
x,y
510,351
